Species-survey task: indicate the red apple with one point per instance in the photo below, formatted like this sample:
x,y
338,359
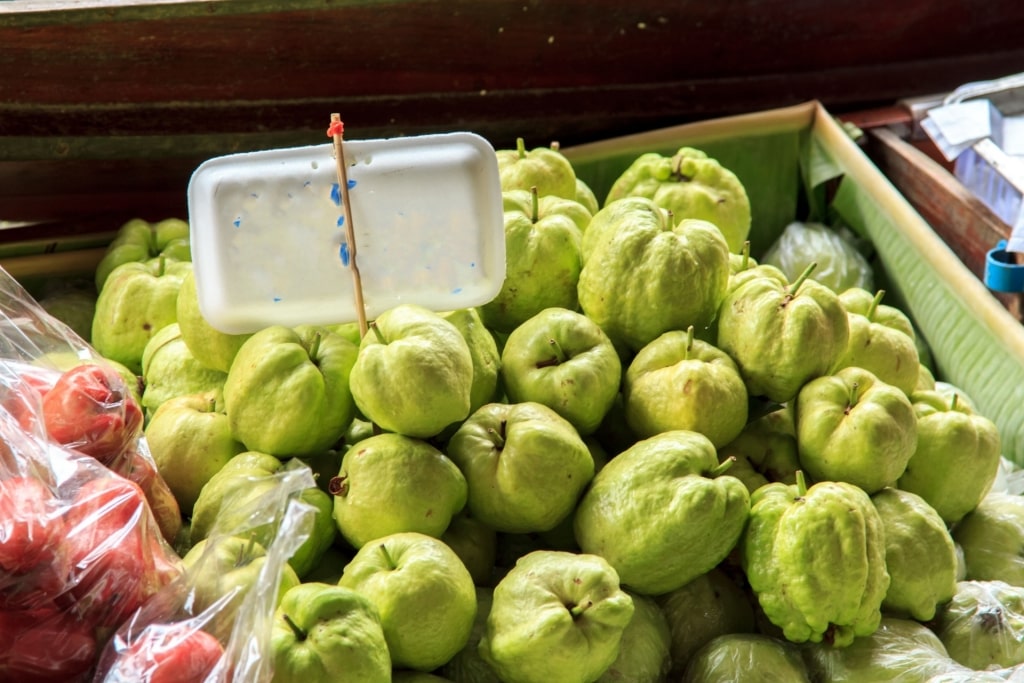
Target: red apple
x,y
31,525
23,397
168,653
34,562
119,558
91,409
45,645
143,471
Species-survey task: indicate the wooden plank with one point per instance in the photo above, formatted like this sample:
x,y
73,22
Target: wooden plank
x,y
962,220
577,70
106,106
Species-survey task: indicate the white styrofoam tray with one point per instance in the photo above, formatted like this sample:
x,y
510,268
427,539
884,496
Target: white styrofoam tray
x,y
269,237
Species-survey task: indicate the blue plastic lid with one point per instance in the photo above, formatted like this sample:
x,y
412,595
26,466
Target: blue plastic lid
x,y
1002,274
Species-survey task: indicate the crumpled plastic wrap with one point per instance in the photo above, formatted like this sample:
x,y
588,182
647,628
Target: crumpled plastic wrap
x,y
982,627
900,650
744,656
91,586
226,640
990,537
839,264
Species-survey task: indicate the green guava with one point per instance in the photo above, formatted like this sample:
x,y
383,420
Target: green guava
x,y
638,260
689,184
701,512
815,559
982,627
747,657
920,555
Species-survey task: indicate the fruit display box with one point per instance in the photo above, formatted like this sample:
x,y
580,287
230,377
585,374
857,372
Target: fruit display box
x,y
802,154
788,158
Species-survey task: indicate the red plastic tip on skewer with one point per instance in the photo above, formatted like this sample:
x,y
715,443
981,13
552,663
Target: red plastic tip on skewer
x,y
336,128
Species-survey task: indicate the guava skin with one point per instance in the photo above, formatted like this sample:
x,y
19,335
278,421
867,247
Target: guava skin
x,y
637,260
662,512
543,263
920,555
310,365
881,340
853,427
782,336
671,382
556,616
957,455
524,464
564,360
414,372
689,184
815,558
545,168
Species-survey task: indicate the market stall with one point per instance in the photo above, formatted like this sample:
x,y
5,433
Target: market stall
x,y
733,396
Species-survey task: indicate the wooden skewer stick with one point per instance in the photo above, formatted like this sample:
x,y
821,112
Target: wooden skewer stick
x,y
350,235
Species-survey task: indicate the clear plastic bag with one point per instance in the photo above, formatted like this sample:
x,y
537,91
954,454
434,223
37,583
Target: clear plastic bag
x,y
982,627
840,265
91,588
226,639
80,547
900,650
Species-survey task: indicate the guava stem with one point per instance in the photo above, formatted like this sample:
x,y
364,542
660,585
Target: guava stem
x,y
377,332
499,437
677,170
954,401
161,265
314,346
577,610
245,552
387,557
745,253
300,635
800,280
870,315
801,484
992,619
212,405
689,342
338,486
722,467
534,204
854,393
521,147
556,145
559,351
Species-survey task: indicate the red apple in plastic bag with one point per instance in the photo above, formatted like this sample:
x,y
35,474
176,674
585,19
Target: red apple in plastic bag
x,y
143,471
23,397
45,645
168,653
119,557
91,409
34,561
31,524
